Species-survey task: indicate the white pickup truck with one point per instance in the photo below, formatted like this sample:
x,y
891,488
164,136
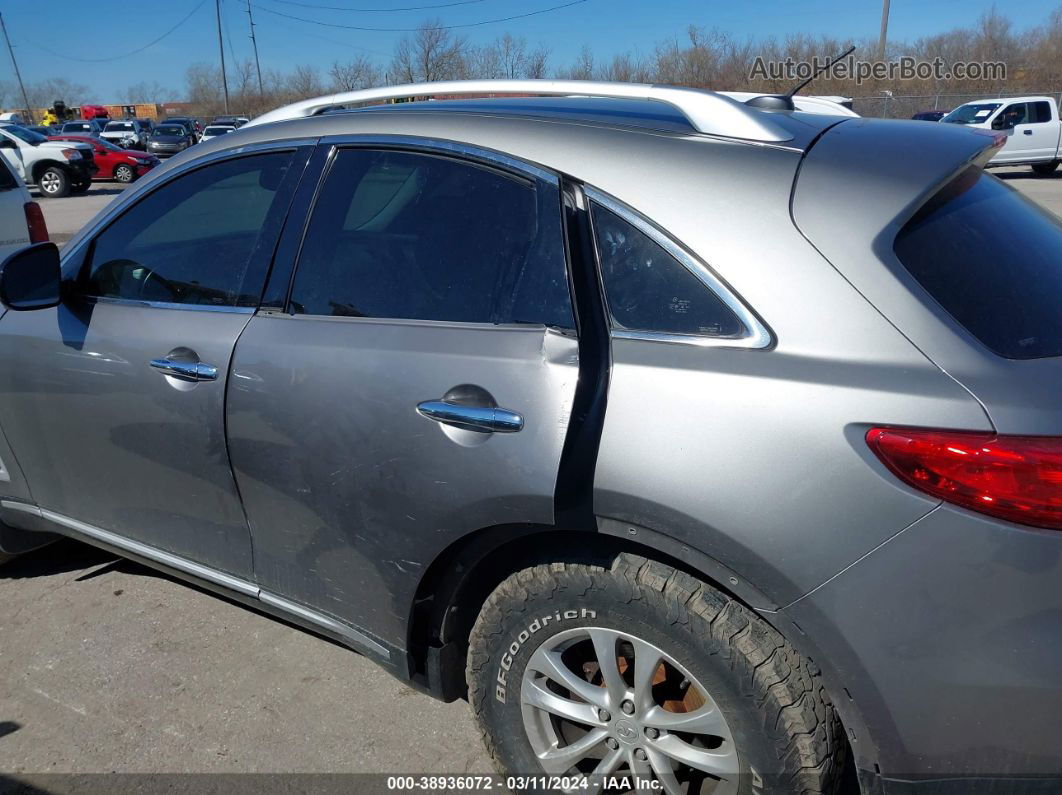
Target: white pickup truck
x,y
1031,124
56,168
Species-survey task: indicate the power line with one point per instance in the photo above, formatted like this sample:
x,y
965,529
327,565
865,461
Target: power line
x,y
344,44
413,30
151,43
367,10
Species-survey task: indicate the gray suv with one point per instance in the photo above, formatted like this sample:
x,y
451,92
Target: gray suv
x,y
709,445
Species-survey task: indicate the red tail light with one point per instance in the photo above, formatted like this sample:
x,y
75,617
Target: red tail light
x,y
1017,478
38,229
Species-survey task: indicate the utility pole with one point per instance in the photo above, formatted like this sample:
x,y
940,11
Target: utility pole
x,y
14,63
221,49
254,44
884,29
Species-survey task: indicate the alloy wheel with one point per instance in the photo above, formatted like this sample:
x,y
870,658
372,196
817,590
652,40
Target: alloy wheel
x,y
50,182
601,702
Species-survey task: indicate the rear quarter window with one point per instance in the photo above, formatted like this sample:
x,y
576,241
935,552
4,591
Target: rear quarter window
x,y
993,260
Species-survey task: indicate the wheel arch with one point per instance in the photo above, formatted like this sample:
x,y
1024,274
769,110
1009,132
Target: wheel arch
x,y
43,165
458,581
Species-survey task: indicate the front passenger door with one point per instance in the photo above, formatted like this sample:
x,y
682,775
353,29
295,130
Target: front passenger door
x,y
114,401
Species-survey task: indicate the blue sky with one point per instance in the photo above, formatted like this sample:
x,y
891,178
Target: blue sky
x,y
90,29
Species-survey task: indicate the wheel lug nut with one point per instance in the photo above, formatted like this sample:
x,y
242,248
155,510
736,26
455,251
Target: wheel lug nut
x,y
640,754
627,707
652,733
604,715
612,743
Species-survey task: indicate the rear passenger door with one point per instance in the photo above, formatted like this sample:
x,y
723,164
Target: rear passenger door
x,y
413,387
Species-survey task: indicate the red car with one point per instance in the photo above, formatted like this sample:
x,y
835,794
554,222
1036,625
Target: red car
x,y
123,165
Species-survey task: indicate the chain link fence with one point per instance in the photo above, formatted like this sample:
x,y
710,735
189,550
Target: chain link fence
x,y
904,106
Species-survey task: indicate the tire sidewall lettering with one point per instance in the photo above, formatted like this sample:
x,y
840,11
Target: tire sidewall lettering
x,y
539,623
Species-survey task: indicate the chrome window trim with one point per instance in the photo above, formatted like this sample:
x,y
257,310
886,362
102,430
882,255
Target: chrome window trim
x,y
756,334
202,572
132,195
443,146
235,310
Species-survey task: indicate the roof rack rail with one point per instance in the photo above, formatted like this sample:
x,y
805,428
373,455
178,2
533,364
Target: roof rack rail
x,y
707,112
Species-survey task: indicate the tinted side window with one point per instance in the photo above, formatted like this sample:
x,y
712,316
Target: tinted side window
x,y
204,238
1039,112
993,260
649,290
416,236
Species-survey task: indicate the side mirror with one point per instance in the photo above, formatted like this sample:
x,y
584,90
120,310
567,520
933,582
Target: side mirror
x,y
30,278
7,143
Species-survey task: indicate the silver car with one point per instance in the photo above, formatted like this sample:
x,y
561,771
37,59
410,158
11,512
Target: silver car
x,y
712,447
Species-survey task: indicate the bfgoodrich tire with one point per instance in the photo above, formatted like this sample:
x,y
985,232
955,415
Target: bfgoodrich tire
x,y
627,668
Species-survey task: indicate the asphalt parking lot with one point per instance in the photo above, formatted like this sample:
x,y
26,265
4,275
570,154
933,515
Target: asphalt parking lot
x,y
107,666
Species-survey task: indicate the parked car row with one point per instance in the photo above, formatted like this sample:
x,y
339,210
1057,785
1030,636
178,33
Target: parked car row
x,y
64,159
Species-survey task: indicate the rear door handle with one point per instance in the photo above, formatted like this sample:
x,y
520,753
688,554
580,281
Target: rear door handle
x,y
186,371
1027,132
482,419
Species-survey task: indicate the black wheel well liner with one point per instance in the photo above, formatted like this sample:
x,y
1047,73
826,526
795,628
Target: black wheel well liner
x,y
43,165
457,583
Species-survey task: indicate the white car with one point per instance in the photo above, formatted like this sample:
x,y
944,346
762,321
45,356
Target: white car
x,y
126,134
1031,126
214,130
21,220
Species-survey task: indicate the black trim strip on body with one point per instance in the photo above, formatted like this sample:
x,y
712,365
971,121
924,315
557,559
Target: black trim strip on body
x,y
574,493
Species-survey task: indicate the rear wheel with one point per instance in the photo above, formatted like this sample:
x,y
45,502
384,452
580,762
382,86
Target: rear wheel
x,y
124,173
629,668
53,183
1045,169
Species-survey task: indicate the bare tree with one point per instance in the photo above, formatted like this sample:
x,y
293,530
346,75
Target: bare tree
x,y
432,53
304,82
147,92
43,93
357,73
583,68
537,63
702,58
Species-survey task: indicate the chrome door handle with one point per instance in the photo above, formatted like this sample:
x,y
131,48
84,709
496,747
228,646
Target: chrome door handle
x,y
482,419
186,371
